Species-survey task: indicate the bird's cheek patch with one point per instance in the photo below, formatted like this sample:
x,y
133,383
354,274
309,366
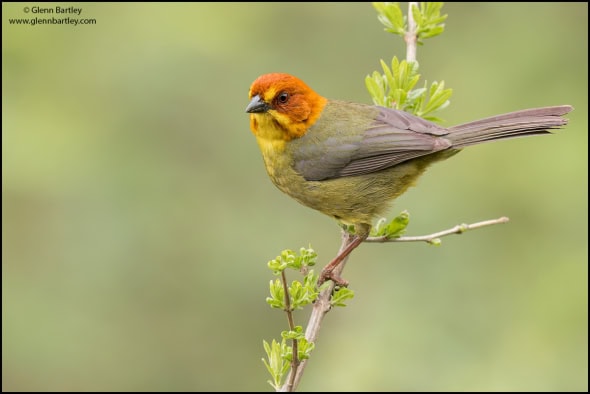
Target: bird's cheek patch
x,y
291,128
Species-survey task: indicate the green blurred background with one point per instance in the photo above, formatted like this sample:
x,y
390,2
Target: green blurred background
x,y
138,217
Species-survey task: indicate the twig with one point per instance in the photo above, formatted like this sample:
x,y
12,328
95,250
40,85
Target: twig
x,y
411,38
323,305
434,237
295,359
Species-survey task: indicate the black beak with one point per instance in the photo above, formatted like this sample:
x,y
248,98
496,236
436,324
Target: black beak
x,y
257,105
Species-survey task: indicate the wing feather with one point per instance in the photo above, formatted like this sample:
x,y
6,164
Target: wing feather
x,y
361,139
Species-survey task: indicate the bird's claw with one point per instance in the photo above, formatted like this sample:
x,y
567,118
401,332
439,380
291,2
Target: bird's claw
x,y
330,275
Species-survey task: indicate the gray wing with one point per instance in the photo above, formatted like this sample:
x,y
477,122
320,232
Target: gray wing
x,y
375,140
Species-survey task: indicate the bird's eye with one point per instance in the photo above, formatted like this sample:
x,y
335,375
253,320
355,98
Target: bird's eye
x,y
283,98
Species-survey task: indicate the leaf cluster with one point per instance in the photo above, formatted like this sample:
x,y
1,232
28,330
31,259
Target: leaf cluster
x,y
395,87
427,17
279,355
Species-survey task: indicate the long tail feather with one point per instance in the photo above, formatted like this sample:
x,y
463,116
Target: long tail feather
x,y
514,124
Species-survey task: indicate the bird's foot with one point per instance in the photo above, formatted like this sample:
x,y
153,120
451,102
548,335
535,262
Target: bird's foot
x,y
330,275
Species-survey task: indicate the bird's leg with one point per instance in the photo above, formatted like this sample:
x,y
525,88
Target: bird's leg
x,y
350,243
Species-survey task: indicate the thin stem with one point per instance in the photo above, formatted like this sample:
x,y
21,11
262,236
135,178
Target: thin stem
x,y
287,302
432,238
411,38
295,358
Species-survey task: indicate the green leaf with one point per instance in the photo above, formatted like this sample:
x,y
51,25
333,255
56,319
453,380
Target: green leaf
x,y
429,21
391,16
304,348
398,225
277,295
281,262
435,31
374,90
394,229
276,365
288,259
341,295
439,98
399,98
297,333
388,73
311,291
307,258
417,15
416,94
412,81
301,295
401,74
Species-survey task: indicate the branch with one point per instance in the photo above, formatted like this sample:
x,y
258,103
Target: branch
x,y
434,237
321,307
411,37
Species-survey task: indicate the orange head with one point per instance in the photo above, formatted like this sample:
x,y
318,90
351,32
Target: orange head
x,y
282,105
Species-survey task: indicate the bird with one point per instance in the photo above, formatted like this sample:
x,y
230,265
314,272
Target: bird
x,y
350,160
